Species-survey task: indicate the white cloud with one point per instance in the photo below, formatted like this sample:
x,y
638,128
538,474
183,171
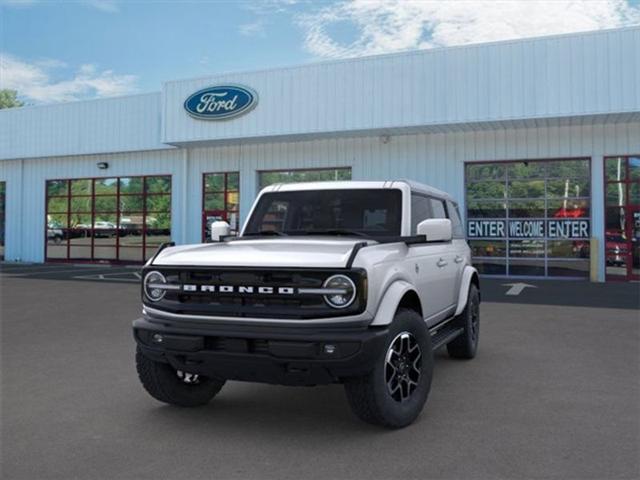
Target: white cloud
x,y
264,7
252,29
387,26
50,63
34,82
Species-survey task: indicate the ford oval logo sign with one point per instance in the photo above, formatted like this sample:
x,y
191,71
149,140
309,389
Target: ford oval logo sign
x,y
221,102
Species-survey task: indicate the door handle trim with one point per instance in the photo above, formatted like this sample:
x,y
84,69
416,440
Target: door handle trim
x,y
442,263
459,259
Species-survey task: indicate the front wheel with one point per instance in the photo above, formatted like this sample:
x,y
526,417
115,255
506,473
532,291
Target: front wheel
x,y
175,387
395,391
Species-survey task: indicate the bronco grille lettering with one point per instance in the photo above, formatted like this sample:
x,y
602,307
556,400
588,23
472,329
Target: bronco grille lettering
x,y
238,289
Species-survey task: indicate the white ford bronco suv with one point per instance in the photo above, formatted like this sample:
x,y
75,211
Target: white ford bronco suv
x,y
330,282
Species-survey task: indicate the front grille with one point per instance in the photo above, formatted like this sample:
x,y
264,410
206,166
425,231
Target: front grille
x,y
259,305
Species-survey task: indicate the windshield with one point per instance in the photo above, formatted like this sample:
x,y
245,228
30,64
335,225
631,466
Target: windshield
x,y
361,212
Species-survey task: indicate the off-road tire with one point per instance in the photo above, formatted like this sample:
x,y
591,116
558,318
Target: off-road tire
x,y
369,396
161,381
466,345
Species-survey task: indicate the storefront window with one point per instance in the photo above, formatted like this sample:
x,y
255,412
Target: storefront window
x,y
220,201
291,176
529,218
622,217
108,219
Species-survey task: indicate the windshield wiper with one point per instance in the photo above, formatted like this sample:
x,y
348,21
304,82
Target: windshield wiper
x,y
266,233
337,231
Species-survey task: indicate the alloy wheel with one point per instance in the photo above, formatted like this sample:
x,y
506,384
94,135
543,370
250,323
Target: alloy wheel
x,y
403,364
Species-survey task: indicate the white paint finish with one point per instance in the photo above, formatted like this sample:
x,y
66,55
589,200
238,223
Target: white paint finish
x,y
95,126
436,159
291,252
524,79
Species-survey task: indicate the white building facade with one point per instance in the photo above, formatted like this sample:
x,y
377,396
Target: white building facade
x,y
537,139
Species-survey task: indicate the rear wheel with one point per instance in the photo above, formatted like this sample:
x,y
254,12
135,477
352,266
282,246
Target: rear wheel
x,y
394,392
175,387
466,345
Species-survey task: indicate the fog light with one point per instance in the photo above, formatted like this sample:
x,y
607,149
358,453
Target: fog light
x,y
330,349
157,338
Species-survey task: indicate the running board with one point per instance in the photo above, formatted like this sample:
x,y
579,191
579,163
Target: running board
x,y
443,335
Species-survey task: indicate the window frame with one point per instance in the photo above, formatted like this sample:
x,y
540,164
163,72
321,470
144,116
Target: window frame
x,y
94,215
506,200
627,207
445,204
224,193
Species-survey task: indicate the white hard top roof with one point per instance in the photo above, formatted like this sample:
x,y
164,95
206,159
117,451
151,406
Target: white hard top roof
x,y
350,184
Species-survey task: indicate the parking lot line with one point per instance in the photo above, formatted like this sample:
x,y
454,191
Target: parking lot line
x,y
111,277
26,268
27,273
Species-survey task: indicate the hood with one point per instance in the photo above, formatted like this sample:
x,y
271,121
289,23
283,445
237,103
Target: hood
x,y
310,252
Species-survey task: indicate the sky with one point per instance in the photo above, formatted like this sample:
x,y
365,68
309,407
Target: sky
x,y
57,51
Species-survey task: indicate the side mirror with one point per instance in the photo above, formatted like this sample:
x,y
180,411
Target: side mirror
x,y
436,229
219,229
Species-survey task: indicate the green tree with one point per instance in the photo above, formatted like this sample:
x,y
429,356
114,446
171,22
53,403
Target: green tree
x,y
9,99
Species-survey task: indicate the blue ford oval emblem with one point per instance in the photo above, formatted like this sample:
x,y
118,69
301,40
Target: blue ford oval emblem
x,y
221,102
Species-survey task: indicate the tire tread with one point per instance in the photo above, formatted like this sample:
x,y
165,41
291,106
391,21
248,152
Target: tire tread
x,y
157,381
462,347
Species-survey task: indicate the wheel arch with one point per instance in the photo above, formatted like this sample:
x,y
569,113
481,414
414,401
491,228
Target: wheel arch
x,y
469,276
399,294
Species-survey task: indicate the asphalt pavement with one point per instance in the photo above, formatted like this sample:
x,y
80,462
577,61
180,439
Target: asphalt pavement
x,y
553,393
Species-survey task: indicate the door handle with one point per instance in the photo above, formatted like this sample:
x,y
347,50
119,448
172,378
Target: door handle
x,y
442,263
459,259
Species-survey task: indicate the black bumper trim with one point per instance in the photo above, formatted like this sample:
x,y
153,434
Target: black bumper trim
x,y
283,355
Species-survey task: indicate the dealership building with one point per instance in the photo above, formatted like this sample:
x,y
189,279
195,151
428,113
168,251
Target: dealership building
x,y
537,139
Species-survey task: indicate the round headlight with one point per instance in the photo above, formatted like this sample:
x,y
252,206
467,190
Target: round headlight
x,y
151,282
343,291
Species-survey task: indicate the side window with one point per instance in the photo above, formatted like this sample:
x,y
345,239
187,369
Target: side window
x,y
456,223
437,209
420,210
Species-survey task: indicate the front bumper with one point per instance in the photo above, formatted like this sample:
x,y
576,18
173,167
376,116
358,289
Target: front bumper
x,y
283,355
